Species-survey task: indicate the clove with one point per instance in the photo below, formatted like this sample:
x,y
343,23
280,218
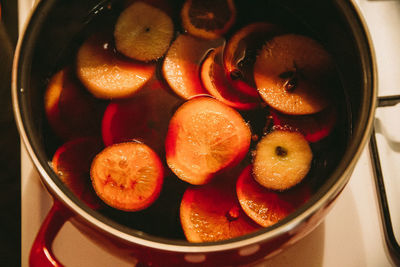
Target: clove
x,y
280,151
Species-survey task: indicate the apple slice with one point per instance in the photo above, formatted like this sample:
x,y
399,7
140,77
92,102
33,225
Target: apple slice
x,y
181,67
215,81
143,32
282,159
292,74
107,74
240,54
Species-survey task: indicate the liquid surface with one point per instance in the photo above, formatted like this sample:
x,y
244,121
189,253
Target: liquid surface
x,y
326,153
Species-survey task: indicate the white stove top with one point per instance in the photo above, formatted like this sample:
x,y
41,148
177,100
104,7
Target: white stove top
x,y
352,233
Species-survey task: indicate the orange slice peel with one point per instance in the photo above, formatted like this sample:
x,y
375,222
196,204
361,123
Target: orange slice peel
x,y
204,137
127,176
208,19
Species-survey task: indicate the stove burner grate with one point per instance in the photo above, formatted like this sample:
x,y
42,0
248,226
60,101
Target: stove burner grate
x,y
393,245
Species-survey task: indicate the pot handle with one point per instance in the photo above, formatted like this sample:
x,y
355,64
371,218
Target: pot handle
x,y
41,254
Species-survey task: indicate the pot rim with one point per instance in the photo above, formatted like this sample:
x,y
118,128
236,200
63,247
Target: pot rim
x,y
287,225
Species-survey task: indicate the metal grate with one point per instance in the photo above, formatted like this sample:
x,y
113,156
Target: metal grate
x,y
393,245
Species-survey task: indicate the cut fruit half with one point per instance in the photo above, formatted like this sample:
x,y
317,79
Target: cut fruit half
x,y
144,117
267,207
282,159
240,54
127,176
215,81
291,73
205,136
143,32
71,162
314,127
109,75
181,67
208,18
212,213
70,110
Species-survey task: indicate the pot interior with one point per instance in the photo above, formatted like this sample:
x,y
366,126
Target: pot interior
x,y
57,29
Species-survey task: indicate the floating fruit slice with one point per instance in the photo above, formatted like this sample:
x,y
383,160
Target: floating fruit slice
x,y
267,207
212,213
144,117
208,18
204,137
109,75
181,64
143,32
215,81
127,176
70,111
51,104
127,121
71,162
282,160
240,54
291,74
314,127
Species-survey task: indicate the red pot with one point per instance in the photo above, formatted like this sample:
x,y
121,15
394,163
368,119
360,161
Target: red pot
x,y
54,24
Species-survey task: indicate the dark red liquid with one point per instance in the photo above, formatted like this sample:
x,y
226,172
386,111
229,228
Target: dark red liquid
x,y
162,218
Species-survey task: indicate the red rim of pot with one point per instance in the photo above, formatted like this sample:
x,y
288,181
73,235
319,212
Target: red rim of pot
x,y
327,193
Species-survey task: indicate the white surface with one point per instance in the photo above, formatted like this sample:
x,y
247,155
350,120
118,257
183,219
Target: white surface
x,y
351,234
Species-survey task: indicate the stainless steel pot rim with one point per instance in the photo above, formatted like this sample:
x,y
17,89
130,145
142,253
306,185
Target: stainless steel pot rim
x,y
286,226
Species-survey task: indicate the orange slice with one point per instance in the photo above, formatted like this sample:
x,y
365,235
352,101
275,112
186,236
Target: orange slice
x,y
127,176
208,18
212,213
282,160
71,162
267,207
205,136
291,73
70,110
109,75
143,32
181,67
217,84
